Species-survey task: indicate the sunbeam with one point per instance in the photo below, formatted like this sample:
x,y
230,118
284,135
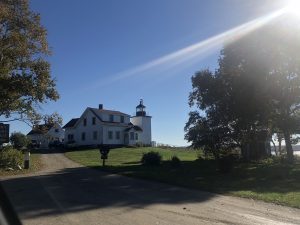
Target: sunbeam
x,y
293,7
191,52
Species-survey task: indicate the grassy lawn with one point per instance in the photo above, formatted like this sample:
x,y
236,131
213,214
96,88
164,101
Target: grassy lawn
x,y
35,165
268,180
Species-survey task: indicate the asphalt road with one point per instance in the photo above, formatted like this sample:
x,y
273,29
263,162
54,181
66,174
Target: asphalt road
x,y
67,193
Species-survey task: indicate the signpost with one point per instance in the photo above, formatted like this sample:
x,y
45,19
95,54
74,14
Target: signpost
x,y
4,133
26,159
104,150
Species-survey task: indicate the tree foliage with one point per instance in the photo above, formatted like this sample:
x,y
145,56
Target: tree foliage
x,y
19,140
52,119
254,93
25,80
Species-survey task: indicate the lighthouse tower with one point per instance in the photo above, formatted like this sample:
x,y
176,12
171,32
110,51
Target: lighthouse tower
x,y
142,120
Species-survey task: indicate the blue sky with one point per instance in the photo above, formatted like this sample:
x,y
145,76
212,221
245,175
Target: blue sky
x,y
95,42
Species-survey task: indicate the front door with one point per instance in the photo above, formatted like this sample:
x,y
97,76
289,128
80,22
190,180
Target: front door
x,y
126,139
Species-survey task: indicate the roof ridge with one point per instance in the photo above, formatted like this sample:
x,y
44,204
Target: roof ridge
x,y
109,110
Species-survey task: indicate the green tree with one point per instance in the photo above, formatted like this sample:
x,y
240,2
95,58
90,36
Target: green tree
x,y
210,127
53,119
25,80
285,80
254,93
19,140
269,58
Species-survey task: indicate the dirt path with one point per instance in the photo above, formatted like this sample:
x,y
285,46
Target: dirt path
x,y
67,193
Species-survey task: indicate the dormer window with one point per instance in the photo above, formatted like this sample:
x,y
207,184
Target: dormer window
x,y
111,118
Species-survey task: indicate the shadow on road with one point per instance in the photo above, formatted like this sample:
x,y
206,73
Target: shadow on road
x,y
80,189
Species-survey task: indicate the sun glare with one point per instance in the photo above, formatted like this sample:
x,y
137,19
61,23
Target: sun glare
x,y
294,7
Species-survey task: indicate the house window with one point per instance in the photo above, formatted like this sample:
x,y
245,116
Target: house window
x,y
70,137
110,135
136,136
84,122
131,135
83,136
122,119
118,135
94,120
56,130
111,118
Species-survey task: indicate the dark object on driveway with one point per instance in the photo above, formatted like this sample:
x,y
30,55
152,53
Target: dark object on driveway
x,y
56,144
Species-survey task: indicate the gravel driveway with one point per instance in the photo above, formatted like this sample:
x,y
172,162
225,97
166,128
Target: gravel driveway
x,y
67,193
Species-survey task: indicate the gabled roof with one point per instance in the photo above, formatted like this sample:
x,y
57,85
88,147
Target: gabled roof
x,y
71,123
110,112
93,110
41,129
96,111
136,128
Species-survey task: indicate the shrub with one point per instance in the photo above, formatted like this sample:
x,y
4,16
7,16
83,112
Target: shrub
x,y
225,164
203,154
19,140
71,145
10,157
200,154
151,159
175,162
139,144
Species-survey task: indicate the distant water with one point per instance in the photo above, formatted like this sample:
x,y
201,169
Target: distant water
x,y
295,153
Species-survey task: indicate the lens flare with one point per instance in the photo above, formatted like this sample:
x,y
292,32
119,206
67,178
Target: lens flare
x,y
185,55
293,7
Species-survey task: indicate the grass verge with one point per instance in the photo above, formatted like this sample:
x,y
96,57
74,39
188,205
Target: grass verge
x,y
268,180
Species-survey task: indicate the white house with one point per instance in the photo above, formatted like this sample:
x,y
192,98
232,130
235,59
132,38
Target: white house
x,y
99,126
42,135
